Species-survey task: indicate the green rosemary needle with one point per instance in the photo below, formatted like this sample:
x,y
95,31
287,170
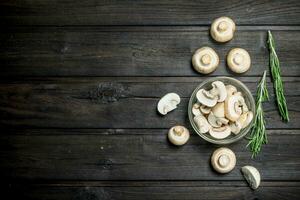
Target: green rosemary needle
x,y
258,135
276,78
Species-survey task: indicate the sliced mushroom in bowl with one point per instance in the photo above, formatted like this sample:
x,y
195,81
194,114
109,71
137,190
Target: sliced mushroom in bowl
x,y
221,110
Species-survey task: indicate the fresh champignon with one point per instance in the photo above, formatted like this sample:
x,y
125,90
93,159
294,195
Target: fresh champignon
x,y
196,109
205,110
233,107
223,160
219,110
238,60
220,133
205,60
219,90
168,103
222,29
206,98
178,135
230,90
202,123
252,176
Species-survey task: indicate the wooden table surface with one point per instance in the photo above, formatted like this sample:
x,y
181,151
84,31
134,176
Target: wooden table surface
x,y
79,85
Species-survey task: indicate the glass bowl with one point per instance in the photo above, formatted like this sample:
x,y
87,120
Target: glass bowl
x,y
248,99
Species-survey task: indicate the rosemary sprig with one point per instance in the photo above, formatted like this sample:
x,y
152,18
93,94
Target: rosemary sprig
x,y
276,77
258,135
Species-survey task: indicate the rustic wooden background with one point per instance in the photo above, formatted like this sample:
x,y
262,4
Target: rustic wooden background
x,y
80,81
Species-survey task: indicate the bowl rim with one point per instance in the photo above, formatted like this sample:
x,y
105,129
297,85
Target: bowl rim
x,y
191,116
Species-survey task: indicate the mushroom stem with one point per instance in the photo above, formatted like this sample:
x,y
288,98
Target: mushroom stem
x,y
206,59
178,130
238,59
222,26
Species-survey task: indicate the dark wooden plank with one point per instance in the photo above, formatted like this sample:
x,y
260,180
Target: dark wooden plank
x,y
157,12
132,51
121,103
156,190
143,154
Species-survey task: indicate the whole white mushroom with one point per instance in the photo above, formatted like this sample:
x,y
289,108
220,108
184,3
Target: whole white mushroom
x,y
178,135
205,60
222,29
238,60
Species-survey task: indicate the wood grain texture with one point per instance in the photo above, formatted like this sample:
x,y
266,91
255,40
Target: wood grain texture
x,y
133,51
132,12
144,154
155,190
121,103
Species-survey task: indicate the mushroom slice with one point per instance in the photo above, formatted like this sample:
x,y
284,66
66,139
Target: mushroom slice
x,y
205,110
196,109
230,90
238,60
205,98
220,133
252,176
213,120
205,60
168,103
222,29
244,107
233,108
245,119
202,123
223,160
235,127
219,90
219,110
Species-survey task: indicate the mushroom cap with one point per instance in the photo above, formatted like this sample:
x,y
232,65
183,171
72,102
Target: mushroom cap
x,y
202,123
219,90
238,60
223,160
178,135
252,176
196,109
219,110
168,103
205,98
221,132
232,107
205,60
222,29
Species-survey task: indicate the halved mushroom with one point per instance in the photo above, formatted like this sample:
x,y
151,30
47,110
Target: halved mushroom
x,y
196,109
252,176
206,98
178,135
221,132
230,90
233,107
205,110
219,110
219,90
205,60
168,103
238,60
202,123
222,29
223,160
